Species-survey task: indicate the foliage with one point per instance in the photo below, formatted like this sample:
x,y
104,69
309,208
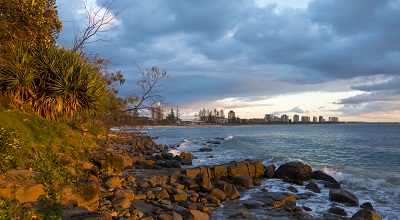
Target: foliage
x,y
54,82
34,23
210,116
40,145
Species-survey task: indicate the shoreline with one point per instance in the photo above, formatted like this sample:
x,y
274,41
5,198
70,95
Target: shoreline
x,y
148,179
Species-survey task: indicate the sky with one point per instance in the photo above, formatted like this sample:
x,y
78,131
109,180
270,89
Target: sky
x,y
308,57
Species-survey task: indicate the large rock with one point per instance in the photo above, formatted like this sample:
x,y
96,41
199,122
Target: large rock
x,y
244,181
343,196
204,182
313,187
197,215
294,170
365,214
88,194
231,191
330,181
68,195
270,171
251,168
29,193
219,172
279,199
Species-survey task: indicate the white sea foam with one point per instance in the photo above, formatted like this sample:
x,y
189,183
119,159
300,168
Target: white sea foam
x,y
229,137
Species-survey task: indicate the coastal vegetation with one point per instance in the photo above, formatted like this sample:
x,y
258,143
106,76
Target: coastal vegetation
x,y
56,101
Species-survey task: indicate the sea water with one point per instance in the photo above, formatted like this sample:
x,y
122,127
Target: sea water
x,y
364,158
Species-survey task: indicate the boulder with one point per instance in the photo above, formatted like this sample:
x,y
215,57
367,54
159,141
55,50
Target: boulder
x,y
338,211
68,195
7,190
88,194
365,214
279,199
204,182
270,171
244,181
231,191
343,196
294,170
128,193
219,172
82,213
122,202
197,215
186,161
179,197
219,194
367,205
313,187
330,182
205,149
29,193
238,169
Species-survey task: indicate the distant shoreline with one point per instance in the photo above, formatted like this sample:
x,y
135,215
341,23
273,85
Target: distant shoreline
x,y
138,128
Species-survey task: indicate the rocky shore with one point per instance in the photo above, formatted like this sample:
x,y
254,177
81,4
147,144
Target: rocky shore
x,y
130,177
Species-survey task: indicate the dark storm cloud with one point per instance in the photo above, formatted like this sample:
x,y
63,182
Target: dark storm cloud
x,y
219,49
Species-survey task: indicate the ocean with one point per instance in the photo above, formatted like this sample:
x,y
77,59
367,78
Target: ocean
x,y
364,158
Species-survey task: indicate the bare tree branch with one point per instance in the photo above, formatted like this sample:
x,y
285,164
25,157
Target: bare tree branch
x,y
149,82
99,20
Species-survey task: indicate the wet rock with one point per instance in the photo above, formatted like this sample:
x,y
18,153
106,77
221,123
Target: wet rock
x,y
187,155
205,149
367,205
313,187
270,171
330,182
294,170
245,182
365,214
343,196
338,211
186,161
252,205
243,215
167,156
279,199
292,189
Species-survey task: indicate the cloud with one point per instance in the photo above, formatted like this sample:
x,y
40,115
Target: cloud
x,y
219,49
297,109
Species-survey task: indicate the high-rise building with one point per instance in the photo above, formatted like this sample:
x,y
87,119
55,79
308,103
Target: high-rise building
x,y
157,113
231,117
333,119
321,119
315,119
284,118
305,119
296,118
268,117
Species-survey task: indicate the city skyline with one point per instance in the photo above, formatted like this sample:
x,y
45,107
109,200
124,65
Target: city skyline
x,y
331,57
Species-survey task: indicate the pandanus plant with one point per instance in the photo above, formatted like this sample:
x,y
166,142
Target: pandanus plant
x,y
55,83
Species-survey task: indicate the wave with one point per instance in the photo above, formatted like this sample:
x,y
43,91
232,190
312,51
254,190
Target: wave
x,y
229,137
